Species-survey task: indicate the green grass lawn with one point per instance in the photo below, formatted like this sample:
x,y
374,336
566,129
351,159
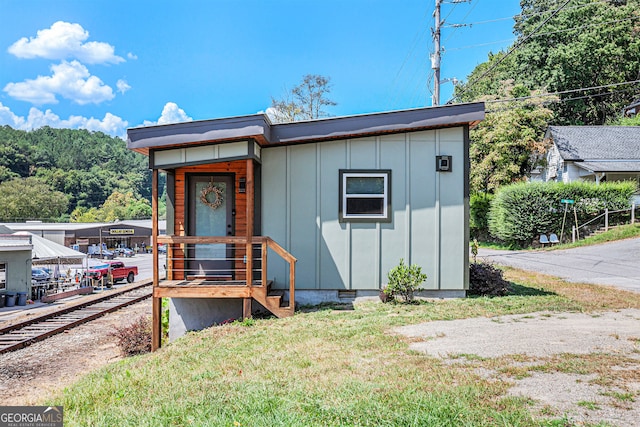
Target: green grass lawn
x,y
328,366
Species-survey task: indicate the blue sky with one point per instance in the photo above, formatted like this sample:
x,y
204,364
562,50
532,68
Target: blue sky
x,y
111,64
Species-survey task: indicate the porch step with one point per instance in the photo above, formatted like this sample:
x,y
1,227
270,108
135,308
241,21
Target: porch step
x,y
272,301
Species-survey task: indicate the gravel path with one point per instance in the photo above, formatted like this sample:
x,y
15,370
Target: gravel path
x,y
34,373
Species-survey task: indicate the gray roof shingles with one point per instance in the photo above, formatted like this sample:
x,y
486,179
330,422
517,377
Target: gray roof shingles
x,y
597,143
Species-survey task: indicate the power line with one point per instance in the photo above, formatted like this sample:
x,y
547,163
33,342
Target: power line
x,y
417,39
563,92
513,49
589,26
465,17
518,16
557,101
471,24
615,21
479,45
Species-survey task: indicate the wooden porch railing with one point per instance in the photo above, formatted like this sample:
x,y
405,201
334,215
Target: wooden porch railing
x,y
182,243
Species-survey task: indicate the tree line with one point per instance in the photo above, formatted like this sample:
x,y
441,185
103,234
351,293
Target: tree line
x,y
572,63
70,175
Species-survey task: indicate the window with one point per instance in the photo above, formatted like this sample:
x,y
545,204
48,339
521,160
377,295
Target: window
x,y
365,196
3,275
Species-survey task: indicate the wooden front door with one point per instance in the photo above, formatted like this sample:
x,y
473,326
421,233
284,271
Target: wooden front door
x,y
211,205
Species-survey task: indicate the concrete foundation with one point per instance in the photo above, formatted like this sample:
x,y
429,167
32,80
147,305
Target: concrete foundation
x,y
314,297
194,314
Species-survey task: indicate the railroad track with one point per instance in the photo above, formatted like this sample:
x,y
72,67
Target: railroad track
x,y
22,334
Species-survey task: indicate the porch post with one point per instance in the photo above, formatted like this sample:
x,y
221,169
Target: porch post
x,y
246,306
156,305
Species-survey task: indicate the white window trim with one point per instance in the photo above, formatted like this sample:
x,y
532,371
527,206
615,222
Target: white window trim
x,y
346,217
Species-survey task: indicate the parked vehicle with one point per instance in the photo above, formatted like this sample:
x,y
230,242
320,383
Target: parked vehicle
x,y
39,275
115,271
126,252
52,273
94,251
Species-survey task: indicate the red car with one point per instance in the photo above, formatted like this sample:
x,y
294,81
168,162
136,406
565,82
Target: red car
x,y
116,269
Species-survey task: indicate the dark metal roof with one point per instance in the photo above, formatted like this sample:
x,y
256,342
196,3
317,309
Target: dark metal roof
x,y
594,143
259,127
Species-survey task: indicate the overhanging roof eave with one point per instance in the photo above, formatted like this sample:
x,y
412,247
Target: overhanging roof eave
x,y
377,124
259,128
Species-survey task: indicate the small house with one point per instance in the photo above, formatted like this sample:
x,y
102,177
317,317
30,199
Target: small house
x,y
592,153
263,216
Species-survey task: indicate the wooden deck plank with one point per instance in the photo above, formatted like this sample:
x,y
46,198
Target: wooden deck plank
x,y
202,292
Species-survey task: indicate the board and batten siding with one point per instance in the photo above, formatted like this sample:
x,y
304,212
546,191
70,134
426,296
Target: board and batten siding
x,y
429,226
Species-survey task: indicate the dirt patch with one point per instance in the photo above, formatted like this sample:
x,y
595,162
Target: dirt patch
x,y
606,396
535,334
35,373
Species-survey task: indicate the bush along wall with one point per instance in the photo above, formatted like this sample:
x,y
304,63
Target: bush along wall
x,y
479,204
520,212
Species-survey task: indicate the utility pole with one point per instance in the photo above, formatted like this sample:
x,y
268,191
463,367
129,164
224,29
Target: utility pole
x,y
435,56
437,50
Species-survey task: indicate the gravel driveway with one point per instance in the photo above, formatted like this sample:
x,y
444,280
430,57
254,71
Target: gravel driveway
x,y
614,263
526,343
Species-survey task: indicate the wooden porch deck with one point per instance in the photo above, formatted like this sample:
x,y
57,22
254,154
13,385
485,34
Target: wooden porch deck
x,y
206,288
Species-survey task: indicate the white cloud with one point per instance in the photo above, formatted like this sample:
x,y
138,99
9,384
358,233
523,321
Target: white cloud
x,y
65,40
132,55
109,124
70,80
7,117
122,86
171,113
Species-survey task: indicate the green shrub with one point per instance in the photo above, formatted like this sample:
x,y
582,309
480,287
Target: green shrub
x,y
487,280
404,280
479,205
520,212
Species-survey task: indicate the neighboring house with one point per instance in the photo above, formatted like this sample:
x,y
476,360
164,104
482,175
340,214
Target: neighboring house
x,y
15,262
592,153
335,203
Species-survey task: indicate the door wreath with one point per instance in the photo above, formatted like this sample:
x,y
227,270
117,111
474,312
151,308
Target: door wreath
x,y
217,191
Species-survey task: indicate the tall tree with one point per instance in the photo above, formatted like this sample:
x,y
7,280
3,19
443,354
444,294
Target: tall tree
x,y
86,166
30,198
505,146
118,206
586,44
306,101
570,48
